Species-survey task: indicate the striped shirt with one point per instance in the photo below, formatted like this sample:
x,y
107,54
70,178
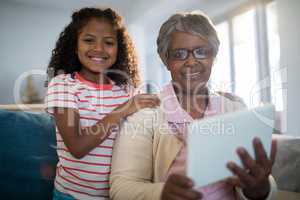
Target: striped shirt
x,y
86,178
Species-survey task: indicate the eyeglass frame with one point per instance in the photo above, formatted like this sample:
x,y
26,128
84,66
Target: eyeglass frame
x,y
191,51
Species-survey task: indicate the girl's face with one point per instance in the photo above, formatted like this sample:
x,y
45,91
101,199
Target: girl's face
x,y
97,46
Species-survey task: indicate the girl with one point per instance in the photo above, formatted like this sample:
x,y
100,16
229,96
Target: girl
x,y
94,66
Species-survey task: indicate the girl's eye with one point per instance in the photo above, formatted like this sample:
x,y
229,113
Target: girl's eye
x,y
88,40
110,43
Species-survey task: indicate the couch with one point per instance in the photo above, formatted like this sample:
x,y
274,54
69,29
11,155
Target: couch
x,y
28,157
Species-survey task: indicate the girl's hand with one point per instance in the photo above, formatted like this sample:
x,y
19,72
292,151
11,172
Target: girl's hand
x,y
179,187
253,178
138,102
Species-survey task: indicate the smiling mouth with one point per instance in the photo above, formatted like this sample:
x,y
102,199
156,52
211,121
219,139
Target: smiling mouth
x,y
98,59
192,75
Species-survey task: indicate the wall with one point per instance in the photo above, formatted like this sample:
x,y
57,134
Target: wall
x,y
28,34
288,17
29,31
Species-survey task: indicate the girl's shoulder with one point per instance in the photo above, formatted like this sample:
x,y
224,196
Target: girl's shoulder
x,y
62,78
128,89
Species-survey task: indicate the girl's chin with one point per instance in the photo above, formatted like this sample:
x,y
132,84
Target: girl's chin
x,y
95,71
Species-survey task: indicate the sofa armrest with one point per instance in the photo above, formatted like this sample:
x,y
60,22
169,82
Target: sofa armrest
x,y
24,107
287,195
286,169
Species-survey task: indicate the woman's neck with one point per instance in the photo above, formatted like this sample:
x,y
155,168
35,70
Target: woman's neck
x,y
194,103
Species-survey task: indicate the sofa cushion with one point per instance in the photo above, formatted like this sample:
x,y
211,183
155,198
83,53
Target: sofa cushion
x,y
286,169
27,155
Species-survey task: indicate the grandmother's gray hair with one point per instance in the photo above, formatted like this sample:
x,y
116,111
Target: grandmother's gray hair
x,y
195,22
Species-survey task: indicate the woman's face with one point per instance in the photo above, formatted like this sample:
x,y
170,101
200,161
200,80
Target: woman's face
x,y
97,46
190,74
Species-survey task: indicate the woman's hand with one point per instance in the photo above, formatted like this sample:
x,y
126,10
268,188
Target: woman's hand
x,y
138,102
253,178
179,187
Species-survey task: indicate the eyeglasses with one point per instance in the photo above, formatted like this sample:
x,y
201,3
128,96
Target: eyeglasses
x,y
199,53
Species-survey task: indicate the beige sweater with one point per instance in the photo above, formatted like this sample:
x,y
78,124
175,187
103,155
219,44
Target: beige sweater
x,y
145,150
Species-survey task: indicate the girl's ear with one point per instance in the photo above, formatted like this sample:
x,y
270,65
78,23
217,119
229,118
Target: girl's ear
x,y
76,46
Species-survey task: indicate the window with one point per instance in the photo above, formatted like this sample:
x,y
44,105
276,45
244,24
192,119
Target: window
x,y
245,60
248,59
274,56
221,74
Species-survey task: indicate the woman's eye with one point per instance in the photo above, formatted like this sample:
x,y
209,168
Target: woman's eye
x,y
177,54
200,51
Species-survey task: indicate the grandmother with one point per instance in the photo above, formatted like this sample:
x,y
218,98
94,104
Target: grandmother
x,y
149,159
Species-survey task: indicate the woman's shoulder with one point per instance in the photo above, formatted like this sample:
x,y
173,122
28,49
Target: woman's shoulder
x,y
230,101
230,96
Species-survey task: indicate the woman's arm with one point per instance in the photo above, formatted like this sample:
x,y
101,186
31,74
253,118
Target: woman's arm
x,y
132,162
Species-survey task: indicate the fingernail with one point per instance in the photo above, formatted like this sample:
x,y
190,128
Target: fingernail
x,y
256,140
190,183
241,150
230,165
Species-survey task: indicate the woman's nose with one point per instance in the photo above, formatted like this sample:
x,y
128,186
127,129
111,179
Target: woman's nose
x,y
190,59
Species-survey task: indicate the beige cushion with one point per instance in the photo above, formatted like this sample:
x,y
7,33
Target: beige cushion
x,y
286,169
286,195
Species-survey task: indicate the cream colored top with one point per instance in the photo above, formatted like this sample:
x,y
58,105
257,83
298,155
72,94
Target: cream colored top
x,y
144,152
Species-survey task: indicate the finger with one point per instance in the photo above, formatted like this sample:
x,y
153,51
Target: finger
x,y
245,178
139,104
235,181
185,193
248,161
181,181
156,101
260,153
173,197
273,151
147,103
147,96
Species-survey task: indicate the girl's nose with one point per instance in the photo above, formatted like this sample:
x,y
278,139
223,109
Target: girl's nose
x,y
99,46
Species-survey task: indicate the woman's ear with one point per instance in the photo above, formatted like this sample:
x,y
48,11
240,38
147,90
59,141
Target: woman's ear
x,y
168,68
165,61
214,61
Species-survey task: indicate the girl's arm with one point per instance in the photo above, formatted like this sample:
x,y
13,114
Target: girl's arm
x,y
80,141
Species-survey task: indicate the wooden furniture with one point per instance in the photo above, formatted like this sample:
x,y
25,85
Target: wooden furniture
x,y
24,107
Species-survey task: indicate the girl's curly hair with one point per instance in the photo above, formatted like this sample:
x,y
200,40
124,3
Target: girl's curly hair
x,y
64,58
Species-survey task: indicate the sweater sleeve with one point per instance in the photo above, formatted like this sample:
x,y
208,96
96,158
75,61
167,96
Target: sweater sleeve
x,y
132,162
271,196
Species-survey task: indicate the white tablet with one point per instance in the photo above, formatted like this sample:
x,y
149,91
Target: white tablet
x,y
212,142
